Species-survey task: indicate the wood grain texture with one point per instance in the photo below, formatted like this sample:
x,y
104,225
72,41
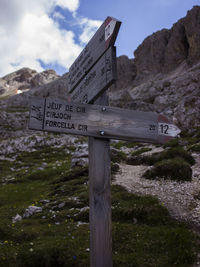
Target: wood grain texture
x,y
99,121
36,114
93,120
97,80
100,200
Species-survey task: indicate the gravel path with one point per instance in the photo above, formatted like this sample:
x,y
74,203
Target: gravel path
x,y
181,199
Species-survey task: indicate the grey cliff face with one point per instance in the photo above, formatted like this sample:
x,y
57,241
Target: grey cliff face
x,y
166,49
166,69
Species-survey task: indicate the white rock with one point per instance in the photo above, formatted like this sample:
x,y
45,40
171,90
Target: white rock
x,y
17,218
61,205
31,210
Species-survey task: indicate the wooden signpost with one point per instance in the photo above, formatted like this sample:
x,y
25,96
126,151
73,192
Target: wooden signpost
x,y
54,115
89,77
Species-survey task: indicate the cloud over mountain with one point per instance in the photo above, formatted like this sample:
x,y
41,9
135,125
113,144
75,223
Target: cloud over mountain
x,y
30,33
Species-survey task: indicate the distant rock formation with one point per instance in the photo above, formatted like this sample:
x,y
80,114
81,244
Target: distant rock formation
x,y
24,80
165,74
165,50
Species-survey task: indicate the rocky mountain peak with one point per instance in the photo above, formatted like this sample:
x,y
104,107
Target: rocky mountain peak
x,y
23,80
165,50
165,74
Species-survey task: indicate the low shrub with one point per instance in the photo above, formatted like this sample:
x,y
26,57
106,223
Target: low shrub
x,y
171,153
195,148
120,144
178,152
172,143
174,152
141,151
174,169
114,168
118,156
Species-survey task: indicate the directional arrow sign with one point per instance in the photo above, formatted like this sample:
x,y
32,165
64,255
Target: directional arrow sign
x,y
106,122
98,79
103,38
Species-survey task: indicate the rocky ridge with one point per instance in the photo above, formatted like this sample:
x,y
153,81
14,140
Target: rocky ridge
x,y
164,75
23,80
164,50
175,94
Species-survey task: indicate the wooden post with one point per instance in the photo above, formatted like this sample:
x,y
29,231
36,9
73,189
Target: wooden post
x,y
100,199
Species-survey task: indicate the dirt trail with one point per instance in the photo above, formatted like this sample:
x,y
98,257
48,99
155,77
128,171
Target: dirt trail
x,y
181,199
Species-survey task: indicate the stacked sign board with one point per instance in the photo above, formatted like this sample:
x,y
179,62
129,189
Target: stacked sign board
x,y
97,80
103,39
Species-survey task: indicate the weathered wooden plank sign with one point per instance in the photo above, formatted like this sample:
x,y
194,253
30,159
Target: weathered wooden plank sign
x,y
100,42
55,115
98,79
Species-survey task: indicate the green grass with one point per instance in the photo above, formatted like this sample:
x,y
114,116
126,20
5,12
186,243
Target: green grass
x,y
118,156
143,232
172,143
151,246
140,151
130,208
194,148
173,163
120,144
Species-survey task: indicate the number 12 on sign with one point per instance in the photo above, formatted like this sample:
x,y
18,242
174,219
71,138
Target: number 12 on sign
x,y
168,129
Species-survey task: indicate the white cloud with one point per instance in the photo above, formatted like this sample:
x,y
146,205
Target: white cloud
x,y
44,40
89,28
71,5
58,16
28,34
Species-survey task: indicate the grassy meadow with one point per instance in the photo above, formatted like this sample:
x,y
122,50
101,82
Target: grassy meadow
x,y
143,232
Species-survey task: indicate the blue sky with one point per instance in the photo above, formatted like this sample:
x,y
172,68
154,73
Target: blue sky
x,y
43,34
139,18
